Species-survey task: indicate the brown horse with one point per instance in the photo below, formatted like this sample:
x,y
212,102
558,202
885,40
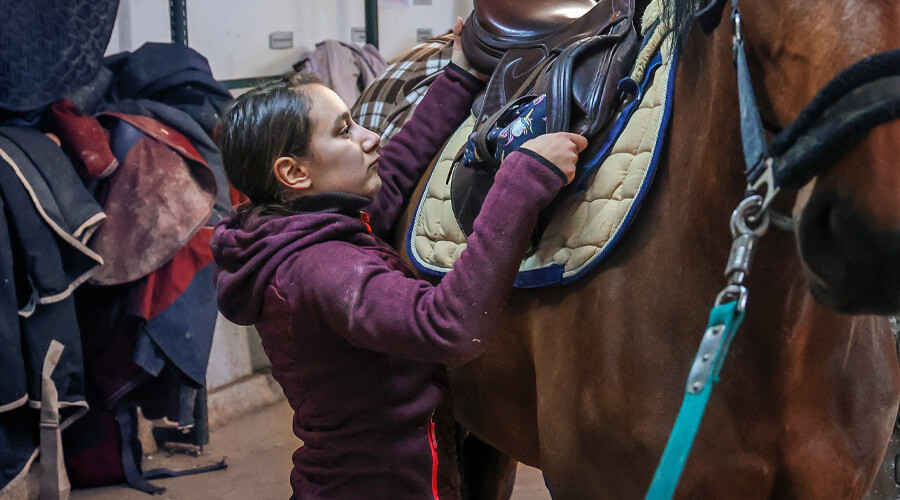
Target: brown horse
x,y
585,381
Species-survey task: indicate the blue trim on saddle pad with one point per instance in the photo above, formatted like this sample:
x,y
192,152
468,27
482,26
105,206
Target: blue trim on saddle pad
x,y
552,274
590,166
651,173
537,278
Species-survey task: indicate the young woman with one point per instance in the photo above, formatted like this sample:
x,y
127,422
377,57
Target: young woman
x,y
354,338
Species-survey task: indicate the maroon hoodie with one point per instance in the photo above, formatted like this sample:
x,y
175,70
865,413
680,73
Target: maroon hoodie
x,y
354,338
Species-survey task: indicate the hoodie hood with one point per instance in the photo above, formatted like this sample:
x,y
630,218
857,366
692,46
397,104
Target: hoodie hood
x,y
248,249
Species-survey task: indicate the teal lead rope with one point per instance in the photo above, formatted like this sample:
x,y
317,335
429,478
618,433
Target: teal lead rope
x,y
724,321
749,222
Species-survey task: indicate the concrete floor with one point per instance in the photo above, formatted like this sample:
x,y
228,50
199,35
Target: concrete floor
x,y
257,448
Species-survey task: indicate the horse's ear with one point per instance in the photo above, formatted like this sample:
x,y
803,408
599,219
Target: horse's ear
x,y
710,15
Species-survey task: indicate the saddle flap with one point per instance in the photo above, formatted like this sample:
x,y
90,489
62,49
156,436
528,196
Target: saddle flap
x,y
583,87
583,73
516,73
468,189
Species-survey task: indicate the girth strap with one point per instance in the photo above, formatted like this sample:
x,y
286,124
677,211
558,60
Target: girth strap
x,y
132,455
54,483
132,452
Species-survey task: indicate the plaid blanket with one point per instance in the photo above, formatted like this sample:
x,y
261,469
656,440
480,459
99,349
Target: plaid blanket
x,y
386,104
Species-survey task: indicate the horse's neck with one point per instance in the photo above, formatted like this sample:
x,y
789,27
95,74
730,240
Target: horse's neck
x,y
705,163
706,108
706,157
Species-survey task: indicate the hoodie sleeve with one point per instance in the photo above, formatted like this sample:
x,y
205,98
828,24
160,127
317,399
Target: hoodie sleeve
x,y
376,307
410,151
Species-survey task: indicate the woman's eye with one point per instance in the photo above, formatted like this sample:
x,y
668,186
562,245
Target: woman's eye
x,y
345,130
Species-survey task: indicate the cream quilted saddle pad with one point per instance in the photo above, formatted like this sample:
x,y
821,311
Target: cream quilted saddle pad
x,y
586,225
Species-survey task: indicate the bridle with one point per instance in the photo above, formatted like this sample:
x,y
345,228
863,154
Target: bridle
x,y
860,98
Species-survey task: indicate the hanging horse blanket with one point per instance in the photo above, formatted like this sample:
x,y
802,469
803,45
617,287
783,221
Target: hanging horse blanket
x,y
49,48
344,67
158,198
586,221
48,219
174,85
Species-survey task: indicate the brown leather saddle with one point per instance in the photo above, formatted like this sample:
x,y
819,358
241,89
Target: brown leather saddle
x,y
574,51
495,27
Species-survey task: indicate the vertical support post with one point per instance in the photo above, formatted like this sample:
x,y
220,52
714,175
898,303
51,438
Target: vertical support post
x,y
178,18
372,22
201,419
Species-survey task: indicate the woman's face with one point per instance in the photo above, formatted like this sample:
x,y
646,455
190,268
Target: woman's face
x,y
343,155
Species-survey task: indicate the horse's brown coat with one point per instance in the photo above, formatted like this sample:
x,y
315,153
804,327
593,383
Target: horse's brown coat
x,y
585,381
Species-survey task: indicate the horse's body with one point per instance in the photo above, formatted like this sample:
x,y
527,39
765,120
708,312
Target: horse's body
x,y
585,381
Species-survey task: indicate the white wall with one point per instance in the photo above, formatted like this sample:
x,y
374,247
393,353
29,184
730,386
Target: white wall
x,y
234,34
139,21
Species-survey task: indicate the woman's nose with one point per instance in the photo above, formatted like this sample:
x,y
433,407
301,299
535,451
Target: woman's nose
x,y
370,141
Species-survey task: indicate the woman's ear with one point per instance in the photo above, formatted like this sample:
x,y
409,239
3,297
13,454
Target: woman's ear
x,y
292,173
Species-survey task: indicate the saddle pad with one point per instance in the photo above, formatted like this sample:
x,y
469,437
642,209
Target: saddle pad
x,y
586,225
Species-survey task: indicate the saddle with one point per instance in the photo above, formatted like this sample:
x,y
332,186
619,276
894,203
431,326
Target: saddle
x,y
588,221
513,41
573,51
495,27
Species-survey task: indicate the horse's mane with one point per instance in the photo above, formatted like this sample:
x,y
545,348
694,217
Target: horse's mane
x,y
679,14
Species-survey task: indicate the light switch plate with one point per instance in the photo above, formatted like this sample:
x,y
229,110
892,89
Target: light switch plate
x,y
281,40
423,34
358,34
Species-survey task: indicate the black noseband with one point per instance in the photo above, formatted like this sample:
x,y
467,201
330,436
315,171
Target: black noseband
x,y
860,98
856,101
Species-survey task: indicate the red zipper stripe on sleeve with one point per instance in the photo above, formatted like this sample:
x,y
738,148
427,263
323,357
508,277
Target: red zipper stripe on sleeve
x,y
432,442
365,218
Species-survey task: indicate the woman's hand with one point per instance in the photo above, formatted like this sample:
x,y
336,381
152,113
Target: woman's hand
x,y
458,57
560,149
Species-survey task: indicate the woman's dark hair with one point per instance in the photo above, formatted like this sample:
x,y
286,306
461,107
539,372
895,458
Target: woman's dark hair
x,y
259,127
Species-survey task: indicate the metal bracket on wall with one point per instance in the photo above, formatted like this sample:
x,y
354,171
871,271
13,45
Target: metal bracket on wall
x,y
249,83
